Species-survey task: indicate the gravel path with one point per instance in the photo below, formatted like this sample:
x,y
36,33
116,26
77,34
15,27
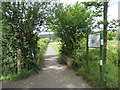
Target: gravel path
x,y
53,75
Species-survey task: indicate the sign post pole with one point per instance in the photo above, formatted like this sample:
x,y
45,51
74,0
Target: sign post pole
x,y
101,56
87,50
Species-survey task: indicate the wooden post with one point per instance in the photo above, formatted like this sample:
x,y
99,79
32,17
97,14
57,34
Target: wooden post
x,y
105,25
18,61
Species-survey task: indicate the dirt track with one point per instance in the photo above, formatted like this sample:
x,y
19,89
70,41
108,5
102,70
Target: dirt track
x,y
54,75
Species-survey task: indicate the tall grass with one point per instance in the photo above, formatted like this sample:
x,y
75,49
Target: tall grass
x,y
92,74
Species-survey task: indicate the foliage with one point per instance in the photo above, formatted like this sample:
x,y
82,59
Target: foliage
x,y
112,42
110,68
42,45
70,26
22,75
93,71
112,34
20,20
23,49
112,54
111,74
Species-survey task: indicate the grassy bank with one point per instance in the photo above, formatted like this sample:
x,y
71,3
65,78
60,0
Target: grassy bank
x,y
110,69
92,73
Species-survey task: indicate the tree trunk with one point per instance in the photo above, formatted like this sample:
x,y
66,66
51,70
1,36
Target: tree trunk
x,y
105,29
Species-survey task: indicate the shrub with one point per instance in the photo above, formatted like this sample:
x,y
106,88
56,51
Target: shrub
x,y
112,54
110,68
35,66
112,34
42,44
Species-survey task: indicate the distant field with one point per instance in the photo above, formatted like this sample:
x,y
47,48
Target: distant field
x,y
56,45
113,43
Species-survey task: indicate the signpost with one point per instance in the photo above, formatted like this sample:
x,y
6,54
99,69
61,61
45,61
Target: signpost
x,y
87,50
96,41
93,41
101,56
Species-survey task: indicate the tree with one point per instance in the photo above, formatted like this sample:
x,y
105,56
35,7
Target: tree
x,y
70,23
19,43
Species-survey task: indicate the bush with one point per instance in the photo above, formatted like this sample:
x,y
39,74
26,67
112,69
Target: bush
x,y
112,54
35,67
42,45
112,34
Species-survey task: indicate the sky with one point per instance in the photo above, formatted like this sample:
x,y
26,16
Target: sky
x,y
112,9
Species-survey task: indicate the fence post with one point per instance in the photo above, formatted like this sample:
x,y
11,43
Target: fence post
x,y
18,61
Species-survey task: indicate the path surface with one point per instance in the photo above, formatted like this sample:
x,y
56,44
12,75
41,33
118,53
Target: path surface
x,y
54,75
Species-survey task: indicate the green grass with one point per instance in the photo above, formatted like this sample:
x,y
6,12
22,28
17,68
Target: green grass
x,y
112,42
14,77
110,68
92,75
111,75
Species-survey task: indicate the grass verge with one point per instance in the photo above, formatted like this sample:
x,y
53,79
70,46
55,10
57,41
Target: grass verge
x,y
14,77
92,74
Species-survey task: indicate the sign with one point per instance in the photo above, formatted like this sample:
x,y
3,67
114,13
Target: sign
x,y
94,41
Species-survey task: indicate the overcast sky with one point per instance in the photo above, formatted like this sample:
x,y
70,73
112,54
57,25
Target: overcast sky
x,y
112,9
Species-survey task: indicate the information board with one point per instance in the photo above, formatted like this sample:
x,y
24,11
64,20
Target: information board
x,y
94,41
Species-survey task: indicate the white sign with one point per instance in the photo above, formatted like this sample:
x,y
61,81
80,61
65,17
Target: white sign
x,y
94,41
101,41
101,62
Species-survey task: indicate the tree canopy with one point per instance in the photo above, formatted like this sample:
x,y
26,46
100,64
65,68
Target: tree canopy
x,y
71,22
19,20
